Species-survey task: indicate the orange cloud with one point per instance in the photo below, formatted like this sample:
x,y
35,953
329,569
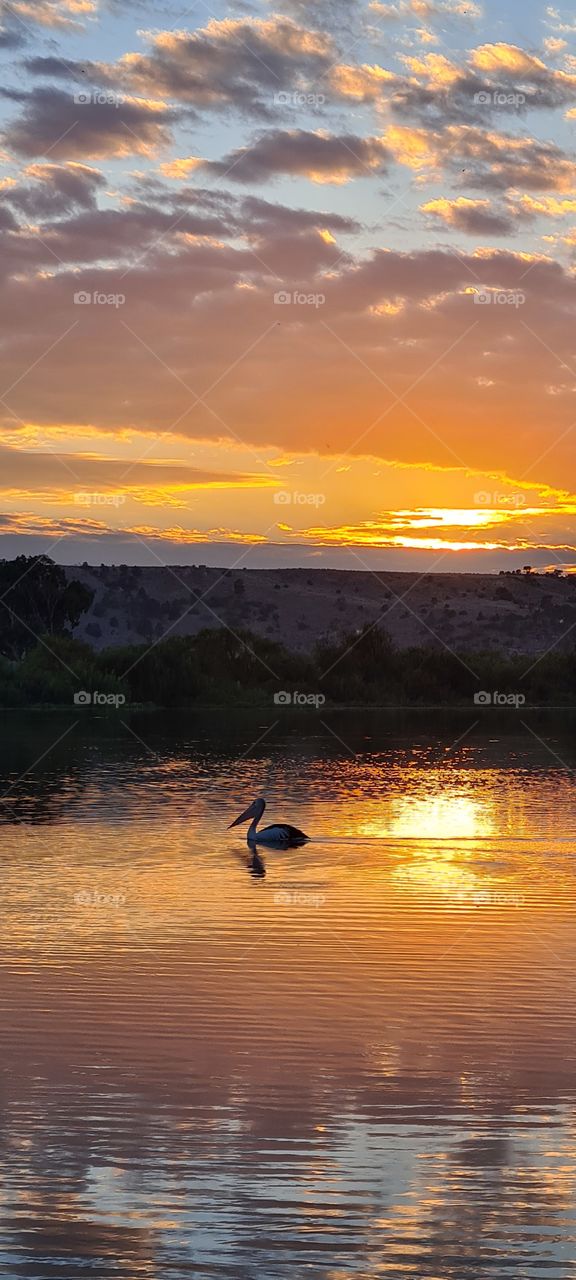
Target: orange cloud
x,y
184,536
229,61
474,216
53,13
506,57
493,160
363,83
415,148
28,523
181,167
547,206
434,69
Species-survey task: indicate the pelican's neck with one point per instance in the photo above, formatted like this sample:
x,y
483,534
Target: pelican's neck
x,y
252,828
254,823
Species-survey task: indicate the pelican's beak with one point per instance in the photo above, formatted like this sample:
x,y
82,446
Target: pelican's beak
x,y
248,813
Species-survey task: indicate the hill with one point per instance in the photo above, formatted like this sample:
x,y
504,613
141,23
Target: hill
x,y
511,613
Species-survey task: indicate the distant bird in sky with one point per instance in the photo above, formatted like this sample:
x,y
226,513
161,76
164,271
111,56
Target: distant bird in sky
x,y
280,835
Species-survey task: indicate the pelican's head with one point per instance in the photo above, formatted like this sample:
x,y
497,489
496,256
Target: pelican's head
x,y
255,810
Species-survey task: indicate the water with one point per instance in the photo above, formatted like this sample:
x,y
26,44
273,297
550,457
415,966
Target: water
x,y
361,1063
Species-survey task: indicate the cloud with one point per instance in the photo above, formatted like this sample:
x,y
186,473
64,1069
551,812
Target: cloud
x,y
560,22
268,67
67,15
475,217
321,157
201,348
434,69
54,190
363,83
56,477
181,167
7,219
51,123
326,14
11,36
396,359
155,221
487,159
512,61
509,66
397,497
554,45
496,80
275,218
546,206
242,63
97,235
426,10
54,68
502,161
126,540
457,529
569,239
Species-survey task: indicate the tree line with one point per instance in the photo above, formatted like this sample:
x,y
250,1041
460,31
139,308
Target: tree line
x,y
42,664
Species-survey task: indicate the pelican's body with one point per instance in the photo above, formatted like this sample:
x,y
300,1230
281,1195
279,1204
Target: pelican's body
x,y
280,835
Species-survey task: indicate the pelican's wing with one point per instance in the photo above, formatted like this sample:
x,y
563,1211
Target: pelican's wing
x,y
295,833
292,833
280,833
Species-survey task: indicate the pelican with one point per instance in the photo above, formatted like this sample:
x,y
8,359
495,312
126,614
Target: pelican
x,y
280,834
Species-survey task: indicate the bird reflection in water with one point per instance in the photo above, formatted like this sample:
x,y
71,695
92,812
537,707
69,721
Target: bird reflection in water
x,y
256,864
253,861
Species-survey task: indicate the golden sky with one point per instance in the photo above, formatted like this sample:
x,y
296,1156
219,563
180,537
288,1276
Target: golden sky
x,y
295,284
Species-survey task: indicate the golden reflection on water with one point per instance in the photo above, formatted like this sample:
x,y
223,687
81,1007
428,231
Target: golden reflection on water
x,y
447,816
361,1063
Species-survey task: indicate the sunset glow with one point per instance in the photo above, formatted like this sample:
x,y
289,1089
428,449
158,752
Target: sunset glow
x,y
288,639
337,313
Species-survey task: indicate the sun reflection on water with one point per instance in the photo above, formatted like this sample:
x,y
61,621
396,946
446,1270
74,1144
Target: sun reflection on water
x,y
449,815
426,822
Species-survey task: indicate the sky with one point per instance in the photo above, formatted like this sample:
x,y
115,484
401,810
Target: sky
x,y
288,284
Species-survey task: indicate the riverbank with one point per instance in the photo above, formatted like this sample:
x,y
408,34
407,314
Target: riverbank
x,y
219,669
